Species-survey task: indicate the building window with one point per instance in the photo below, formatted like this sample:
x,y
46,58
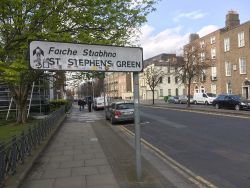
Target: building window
x,y
161,92
203,77
160,80
229,88
196,89
242,65
169,79
169,92
241,41
202,56
226,44
228,68
213,71
213,53
176,79
212,40
176,92
202,44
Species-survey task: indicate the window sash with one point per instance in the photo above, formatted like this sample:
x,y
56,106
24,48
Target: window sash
x,y
242,65
241,41
213,53
226,44
212,40
161,92
228,68
229,88
214,71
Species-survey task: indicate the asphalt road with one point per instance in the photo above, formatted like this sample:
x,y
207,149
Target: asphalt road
x,y
214,147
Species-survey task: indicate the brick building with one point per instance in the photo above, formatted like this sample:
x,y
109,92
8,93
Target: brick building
x,y
230,53
119,85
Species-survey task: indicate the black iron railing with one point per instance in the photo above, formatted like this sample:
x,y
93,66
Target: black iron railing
x,y
14,152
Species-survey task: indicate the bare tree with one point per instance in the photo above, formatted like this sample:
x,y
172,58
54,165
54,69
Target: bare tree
x,y
193,66
153,76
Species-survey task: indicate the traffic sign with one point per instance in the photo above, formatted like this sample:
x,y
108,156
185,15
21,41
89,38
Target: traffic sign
x,y
46,55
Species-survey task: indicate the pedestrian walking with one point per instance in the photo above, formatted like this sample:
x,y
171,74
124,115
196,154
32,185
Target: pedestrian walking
x,y
80,104
89,105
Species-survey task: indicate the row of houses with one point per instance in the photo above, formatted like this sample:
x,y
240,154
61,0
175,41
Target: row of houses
x,y
229,71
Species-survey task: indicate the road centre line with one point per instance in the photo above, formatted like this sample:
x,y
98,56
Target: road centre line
x,y
199,112
185,172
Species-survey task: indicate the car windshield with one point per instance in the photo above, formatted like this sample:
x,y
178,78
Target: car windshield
x,y
125,106
211,94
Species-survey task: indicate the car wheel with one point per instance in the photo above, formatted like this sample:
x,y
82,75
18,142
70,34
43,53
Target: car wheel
x,y
112,121
217,106
237,107
195,102
206,103
107,117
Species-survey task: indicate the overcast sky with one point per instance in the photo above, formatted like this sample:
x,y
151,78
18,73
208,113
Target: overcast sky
x,y
168,28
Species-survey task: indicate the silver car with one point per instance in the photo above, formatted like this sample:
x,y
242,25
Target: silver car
x,y
120,112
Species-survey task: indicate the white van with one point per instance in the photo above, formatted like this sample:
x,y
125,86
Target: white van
x,y
204,98
98,103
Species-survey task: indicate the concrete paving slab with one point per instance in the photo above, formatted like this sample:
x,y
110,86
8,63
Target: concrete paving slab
x,y
96,162
48,183
101,181
70,182
56,173
72,164
84,171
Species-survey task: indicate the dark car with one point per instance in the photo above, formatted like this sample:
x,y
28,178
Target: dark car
x,y
231,101
173,99
120,112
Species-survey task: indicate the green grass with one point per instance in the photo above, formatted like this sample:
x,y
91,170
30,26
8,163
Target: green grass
x,y
10,128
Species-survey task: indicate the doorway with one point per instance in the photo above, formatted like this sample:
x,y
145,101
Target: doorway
x,y
245,89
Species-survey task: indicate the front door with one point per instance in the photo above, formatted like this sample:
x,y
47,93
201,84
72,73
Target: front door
x,y
246,92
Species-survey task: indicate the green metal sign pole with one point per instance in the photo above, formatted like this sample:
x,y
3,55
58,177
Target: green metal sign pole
x,y
137,126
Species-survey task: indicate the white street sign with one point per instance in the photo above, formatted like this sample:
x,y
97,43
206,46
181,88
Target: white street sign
x,y
83,57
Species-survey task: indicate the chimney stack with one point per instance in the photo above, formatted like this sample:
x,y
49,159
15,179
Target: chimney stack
x,y
232,19
193,36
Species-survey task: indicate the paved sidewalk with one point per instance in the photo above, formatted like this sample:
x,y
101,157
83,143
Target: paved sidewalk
x,y
74,158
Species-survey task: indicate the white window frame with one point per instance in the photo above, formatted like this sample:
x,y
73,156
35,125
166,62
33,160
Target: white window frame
x,y
161,92
212,40
229,88
241,40
242,65
202,44
214,71
228,68
226,44
213,53
202,54
169,92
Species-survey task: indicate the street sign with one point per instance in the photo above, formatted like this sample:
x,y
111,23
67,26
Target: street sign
x,y
46,55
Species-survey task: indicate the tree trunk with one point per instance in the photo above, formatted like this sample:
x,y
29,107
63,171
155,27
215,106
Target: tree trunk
x,y
20,95
21,112
189,86
153,96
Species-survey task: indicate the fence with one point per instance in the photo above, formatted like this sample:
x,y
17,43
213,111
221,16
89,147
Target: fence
x,y
14,152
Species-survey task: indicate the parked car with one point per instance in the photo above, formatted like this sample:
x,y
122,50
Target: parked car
x,y
173,99
120,111
204,98
184,98
231,101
